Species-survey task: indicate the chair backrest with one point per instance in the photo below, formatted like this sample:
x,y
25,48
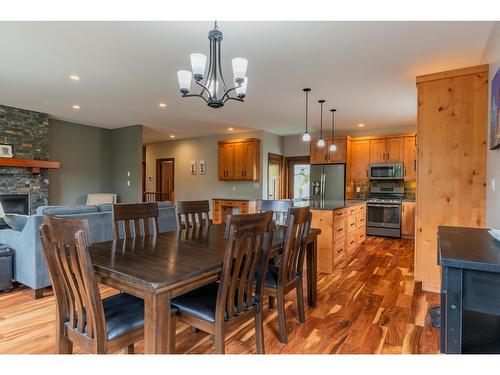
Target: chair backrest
x,y
192,214
78,300
279,207
294,246
137,213
245,260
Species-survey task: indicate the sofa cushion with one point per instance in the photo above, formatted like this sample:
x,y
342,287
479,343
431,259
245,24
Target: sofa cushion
x,y
66,210
15,221
105,207
164,204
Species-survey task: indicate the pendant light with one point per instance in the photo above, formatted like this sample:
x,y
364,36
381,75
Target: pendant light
x,y
306,137
333,147
321,141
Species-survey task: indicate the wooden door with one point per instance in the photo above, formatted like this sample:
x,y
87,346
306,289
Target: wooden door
x,y
274,176
360,159
319,155
408,219
165,178
451,171
395,147
340,155
410,158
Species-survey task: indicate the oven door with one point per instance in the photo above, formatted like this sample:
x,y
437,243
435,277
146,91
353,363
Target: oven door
x,y
384,215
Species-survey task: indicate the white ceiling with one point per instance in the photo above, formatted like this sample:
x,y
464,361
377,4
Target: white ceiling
x,y
365,69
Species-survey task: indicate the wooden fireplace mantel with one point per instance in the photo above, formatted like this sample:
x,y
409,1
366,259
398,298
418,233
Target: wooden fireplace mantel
x,y
33,165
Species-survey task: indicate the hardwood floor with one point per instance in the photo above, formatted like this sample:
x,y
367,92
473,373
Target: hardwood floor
x,y
368,305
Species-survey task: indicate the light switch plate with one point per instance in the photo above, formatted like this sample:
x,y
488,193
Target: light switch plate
x,y
358,189
493,184
234,188
128,173
128,183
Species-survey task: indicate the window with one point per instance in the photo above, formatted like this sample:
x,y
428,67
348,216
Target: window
x,y
301,176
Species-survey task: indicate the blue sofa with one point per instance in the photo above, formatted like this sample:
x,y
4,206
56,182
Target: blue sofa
x,y
30,268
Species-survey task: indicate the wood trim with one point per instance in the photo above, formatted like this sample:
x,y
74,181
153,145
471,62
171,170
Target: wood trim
x,y
238,140
374,137
45,164
286,181
484,68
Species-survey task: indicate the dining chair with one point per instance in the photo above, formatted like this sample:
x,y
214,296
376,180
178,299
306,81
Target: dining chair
x,y
286,275
191,214
82,317
138,213
222,306
279,207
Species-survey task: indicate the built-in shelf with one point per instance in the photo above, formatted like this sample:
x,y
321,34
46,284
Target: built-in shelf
x,y
33,165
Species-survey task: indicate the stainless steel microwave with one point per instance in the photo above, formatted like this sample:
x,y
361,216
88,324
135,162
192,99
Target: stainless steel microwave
x,y
386,171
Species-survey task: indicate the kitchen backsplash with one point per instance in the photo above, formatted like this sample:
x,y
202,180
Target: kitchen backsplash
x,y
364,189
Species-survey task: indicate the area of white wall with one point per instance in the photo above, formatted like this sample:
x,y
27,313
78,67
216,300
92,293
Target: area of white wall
x,y
492,57
293,145
207,186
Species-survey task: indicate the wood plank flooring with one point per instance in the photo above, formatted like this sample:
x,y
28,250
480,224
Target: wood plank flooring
x,y
368,305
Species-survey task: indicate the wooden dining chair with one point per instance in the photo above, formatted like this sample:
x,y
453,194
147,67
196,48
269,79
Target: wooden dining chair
x,y
287,275
220,307
279,207
191,214
140,214
83,318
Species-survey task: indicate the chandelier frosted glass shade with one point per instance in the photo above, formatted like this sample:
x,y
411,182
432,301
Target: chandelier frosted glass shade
x,y
184,77
321,143
213,89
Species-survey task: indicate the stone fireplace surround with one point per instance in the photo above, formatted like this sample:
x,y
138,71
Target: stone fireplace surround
x,y
28,133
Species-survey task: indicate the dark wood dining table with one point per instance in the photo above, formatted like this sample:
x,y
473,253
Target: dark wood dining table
x,y
159,268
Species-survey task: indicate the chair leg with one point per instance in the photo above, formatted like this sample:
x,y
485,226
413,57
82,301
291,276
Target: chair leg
x,y
300,300
271,302
129,349
63,344
171,341
259,332
281,316
219,339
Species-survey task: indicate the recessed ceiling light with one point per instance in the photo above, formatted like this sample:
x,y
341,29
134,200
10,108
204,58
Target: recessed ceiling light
x,y
172,136
76,106
74,77
230,129
162,105
361,125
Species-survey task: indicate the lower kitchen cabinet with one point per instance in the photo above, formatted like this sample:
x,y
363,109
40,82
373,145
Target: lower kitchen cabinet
x,y
408,220
224,207
342,230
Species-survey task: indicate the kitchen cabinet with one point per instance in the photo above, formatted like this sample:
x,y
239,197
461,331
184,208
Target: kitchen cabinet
x,y
378,149
360,159
323,155
224,207
395,150
408,220
239,160
410,158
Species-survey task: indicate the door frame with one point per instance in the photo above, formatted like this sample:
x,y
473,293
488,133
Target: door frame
x,y
280,159
289,162
158,180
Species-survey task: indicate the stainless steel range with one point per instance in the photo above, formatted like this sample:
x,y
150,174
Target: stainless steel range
x,y
384,210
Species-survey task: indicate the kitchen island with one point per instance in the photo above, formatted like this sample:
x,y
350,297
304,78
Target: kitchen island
x,y
343,229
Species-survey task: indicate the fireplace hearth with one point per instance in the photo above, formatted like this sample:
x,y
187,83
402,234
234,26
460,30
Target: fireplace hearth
x,y
14,204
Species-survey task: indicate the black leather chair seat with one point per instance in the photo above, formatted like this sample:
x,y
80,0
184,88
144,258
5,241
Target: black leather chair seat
x,y
271,280
199,303
123,313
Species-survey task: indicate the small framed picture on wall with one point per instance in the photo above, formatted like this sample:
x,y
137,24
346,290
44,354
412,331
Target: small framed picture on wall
x,y
6,151
203,167
192,165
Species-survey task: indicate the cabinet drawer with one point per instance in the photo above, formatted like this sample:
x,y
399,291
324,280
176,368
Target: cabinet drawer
x,y
351,241
361,220
351,223
339,228
339,214
362,209
360,235
339,246
352,210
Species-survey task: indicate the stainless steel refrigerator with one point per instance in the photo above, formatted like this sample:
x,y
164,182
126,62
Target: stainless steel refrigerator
x,y
327,183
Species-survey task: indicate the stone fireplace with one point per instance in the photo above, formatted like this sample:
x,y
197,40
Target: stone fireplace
x,y
14,204
28,133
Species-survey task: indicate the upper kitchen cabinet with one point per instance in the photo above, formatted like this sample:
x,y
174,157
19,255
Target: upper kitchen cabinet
x,y
323,155
360,159
410,158
394,150
239,160
378,148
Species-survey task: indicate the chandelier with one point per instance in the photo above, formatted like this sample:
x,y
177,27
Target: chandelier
x,y
213,87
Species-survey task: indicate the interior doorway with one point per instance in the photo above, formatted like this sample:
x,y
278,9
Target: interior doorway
x,y
274,176
297,175
165,178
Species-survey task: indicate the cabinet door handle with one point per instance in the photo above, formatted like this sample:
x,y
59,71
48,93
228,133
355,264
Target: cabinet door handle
x,y
414,164
387,156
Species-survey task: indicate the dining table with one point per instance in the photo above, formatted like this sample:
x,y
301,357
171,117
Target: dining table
x,y
160,267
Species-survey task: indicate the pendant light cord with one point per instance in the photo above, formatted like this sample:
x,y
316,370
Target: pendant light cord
x,y
333,122
307,97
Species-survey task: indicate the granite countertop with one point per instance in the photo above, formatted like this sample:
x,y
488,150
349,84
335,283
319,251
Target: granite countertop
x,y
332,205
